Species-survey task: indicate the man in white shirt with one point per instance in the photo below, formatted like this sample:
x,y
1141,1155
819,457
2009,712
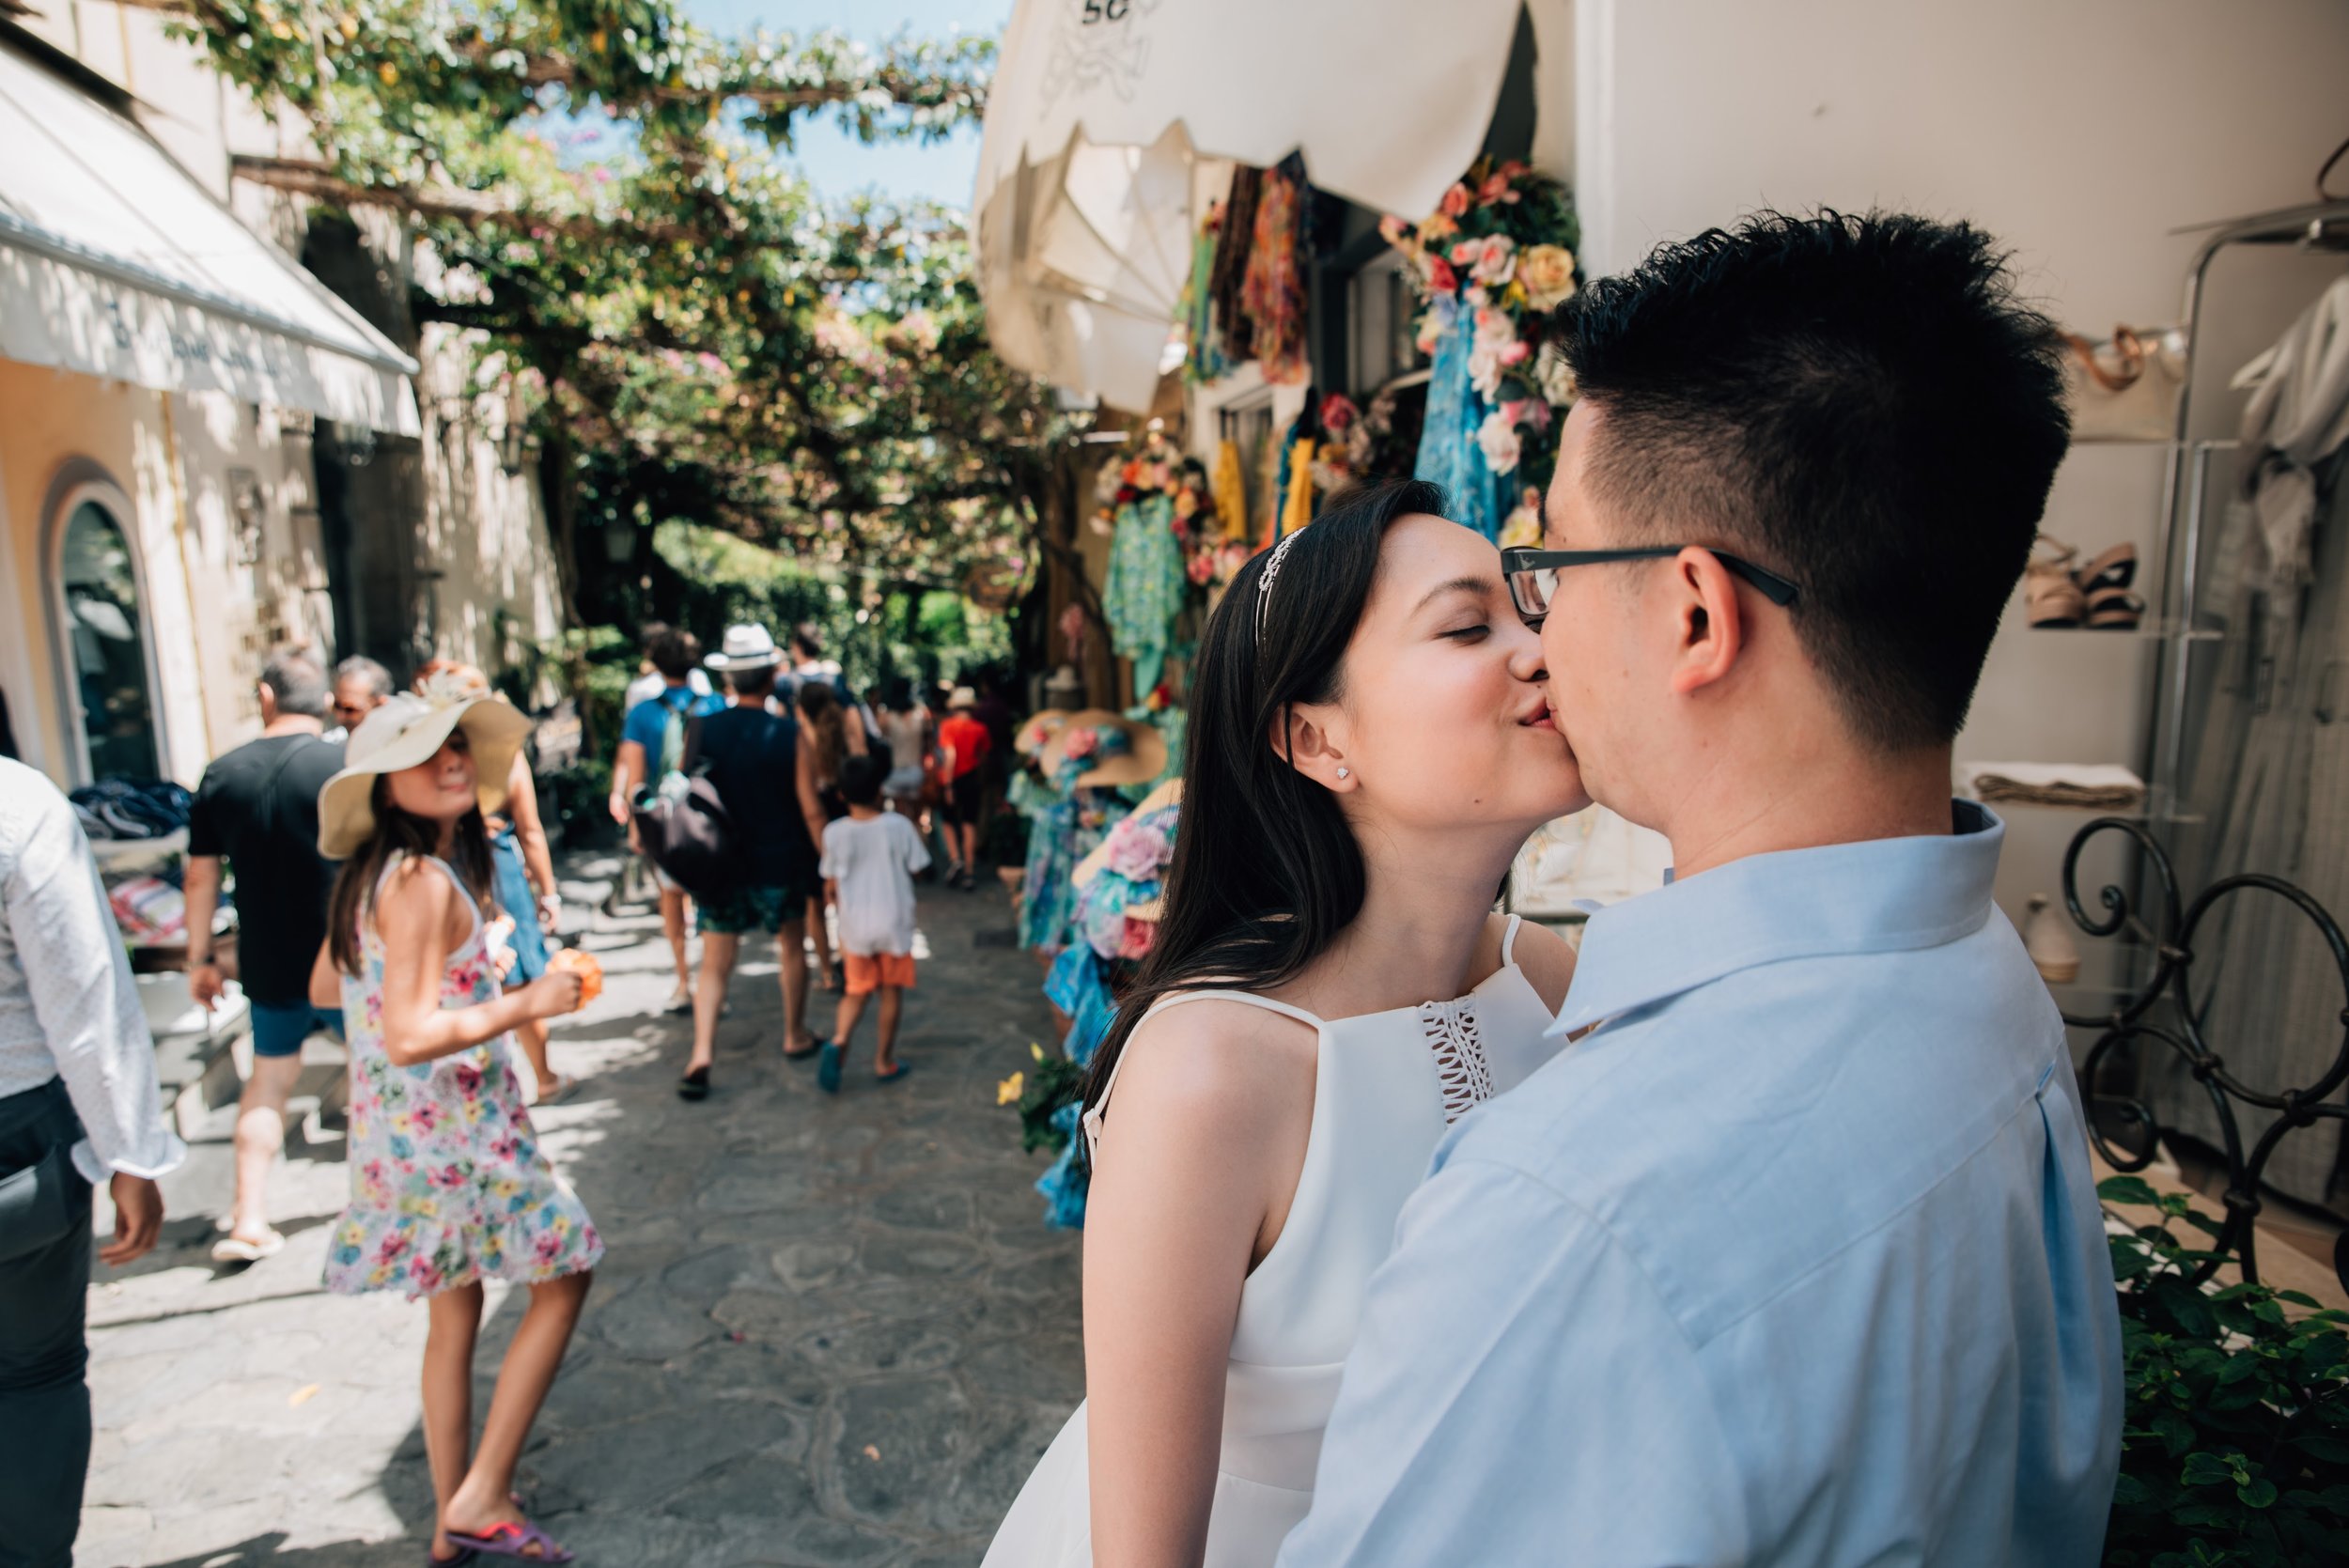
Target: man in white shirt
x,y
79,1103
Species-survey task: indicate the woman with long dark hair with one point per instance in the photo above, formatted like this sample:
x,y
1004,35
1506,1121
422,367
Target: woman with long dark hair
x,y
1370,744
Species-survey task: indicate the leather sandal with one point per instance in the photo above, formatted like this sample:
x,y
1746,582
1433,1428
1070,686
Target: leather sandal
x,y
2114,609
2115,568
2051,596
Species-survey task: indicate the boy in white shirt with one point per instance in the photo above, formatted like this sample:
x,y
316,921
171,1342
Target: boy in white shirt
x,y
870,856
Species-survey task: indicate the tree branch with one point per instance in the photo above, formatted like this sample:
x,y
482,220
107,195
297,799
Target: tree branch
x,y
309,177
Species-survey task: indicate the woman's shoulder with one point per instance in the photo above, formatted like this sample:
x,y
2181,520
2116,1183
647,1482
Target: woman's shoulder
x,y
1544,959
1218,1061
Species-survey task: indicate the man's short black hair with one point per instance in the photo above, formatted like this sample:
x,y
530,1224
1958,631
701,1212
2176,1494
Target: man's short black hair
x,y
757,681
807,641
296,681
1859,403
676,654
861,777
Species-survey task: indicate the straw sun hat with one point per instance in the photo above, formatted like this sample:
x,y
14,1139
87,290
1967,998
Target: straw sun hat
x,y
746,647
1141,759
407,730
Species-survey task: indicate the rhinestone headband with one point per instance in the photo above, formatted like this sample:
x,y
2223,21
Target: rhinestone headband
x,y
1264,584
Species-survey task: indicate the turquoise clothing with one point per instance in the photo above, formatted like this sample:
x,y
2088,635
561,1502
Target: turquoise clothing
x,y
1144,589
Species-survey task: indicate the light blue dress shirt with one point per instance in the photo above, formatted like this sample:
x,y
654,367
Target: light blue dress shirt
x,y
1796,1259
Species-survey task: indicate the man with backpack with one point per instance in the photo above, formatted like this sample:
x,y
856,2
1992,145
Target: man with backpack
x,y
771,822
652,746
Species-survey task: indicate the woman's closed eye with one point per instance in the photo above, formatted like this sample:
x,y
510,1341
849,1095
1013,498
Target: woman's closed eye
x,y
1473,631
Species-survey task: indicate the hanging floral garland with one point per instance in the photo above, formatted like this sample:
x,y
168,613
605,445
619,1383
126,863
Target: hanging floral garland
x,y
1500,246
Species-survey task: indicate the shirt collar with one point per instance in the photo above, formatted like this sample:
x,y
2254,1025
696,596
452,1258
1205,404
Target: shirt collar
x,y
1878,896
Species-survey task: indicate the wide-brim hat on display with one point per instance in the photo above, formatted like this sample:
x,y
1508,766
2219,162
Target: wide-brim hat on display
x,y
745,647
1040,729
406,731
1143,759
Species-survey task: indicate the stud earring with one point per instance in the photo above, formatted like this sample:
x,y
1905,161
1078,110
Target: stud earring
x,y
1345,772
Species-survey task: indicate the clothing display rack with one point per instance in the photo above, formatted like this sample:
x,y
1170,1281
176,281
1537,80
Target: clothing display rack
x,y
2322,226
2194,820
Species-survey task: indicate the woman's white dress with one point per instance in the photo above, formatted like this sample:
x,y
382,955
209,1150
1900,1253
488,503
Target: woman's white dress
x,y
1384,1087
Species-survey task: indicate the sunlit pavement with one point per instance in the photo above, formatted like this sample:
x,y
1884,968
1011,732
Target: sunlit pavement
x,y
827,1331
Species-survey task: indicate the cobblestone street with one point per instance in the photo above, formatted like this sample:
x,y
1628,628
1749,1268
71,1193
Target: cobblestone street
x,y
825,1332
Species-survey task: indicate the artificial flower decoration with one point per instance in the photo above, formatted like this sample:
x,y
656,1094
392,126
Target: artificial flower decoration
x,y
1499,247
1007,1092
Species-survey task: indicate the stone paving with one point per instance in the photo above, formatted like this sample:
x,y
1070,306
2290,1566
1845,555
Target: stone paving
x,y
827,1332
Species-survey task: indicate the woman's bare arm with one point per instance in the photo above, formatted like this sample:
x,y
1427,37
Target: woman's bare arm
x,y
326,981
811,802
530,831
423,920
1199,1155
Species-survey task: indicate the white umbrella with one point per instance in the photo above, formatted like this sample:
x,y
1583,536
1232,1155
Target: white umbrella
x,y
1098,107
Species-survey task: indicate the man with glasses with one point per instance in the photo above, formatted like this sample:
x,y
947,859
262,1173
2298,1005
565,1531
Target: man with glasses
x,y
1795,1256
360,687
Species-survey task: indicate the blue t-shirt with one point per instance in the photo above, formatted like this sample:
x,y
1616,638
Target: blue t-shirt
x,y
647,723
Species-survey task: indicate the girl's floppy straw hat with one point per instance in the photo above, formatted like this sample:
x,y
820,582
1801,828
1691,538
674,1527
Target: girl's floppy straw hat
x,y
407,730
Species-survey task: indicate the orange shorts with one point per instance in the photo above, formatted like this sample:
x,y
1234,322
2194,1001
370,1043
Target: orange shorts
x,y
867,970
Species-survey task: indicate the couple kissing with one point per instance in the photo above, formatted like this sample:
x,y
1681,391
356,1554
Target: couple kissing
x,y
1760,1230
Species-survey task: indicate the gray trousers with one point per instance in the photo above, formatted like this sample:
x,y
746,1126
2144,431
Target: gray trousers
x,y
44,1293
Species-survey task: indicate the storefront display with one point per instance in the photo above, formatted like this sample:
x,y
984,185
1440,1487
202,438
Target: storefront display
x,y
1491,262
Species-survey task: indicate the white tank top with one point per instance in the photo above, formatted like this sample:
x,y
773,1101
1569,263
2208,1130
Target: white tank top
x,y
1384,1087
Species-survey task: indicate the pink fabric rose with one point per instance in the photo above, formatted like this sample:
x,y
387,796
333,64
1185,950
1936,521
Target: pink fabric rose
x,y
1455,202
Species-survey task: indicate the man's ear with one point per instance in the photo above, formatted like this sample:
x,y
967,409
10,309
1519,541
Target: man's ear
x,y
1709,623
1303,734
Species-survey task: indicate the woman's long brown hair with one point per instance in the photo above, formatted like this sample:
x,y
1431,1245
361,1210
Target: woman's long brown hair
x,y
827,728
399,832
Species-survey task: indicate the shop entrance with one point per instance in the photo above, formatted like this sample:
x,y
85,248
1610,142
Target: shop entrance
x,y
105,638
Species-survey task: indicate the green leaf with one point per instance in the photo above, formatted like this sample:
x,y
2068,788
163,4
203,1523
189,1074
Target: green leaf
x,y
2259,1492
2126,1189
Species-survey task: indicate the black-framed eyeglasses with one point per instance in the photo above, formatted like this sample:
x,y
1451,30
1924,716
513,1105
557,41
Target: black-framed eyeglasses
x,y
1533,574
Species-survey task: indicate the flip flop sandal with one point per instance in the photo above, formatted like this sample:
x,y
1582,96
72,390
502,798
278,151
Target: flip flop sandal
x,y
815,1050
2051,597
2115,568
232,1248
828,1067
464,1555
2114,609
516,1541
694,1085
894,1074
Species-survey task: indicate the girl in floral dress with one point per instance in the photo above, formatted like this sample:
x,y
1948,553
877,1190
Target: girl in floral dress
x,y
448,1185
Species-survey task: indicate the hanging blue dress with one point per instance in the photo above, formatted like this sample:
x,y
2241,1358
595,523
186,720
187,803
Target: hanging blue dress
x,y
1448,453
1144,591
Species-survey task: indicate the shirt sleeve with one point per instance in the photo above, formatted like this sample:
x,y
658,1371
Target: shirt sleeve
x,y
1518,1382
832,864
85,1001
644,724
203,829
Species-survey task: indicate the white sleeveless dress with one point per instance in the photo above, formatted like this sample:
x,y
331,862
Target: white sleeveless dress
x,y
1384,1087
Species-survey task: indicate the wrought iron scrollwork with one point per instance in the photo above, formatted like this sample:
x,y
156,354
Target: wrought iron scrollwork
x,y
2178,1029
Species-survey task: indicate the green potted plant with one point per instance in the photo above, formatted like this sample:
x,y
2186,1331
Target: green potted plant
x,y
2235,1441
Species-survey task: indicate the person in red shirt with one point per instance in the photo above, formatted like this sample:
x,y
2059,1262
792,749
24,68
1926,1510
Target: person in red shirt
x,y
964,742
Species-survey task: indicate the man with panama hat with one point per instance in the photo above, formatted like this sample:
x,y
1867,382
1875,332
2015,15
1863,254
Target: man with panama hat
x,y
754,759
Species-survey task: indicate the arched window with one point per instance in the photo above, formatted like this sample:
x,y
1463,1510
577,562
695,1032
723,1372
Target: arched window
x,y
105,633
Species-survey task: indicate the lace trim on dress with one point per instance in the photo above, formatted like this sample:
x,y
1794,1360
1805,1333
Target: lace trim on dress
x,y
1462,1071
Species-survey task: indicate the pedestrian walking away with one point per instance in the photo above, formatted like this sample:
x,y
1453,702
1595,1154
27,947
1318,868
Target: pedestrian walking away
x,y
78,1104
831,736
448,1186
652,745
765,778
965,743
257,812
870,858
